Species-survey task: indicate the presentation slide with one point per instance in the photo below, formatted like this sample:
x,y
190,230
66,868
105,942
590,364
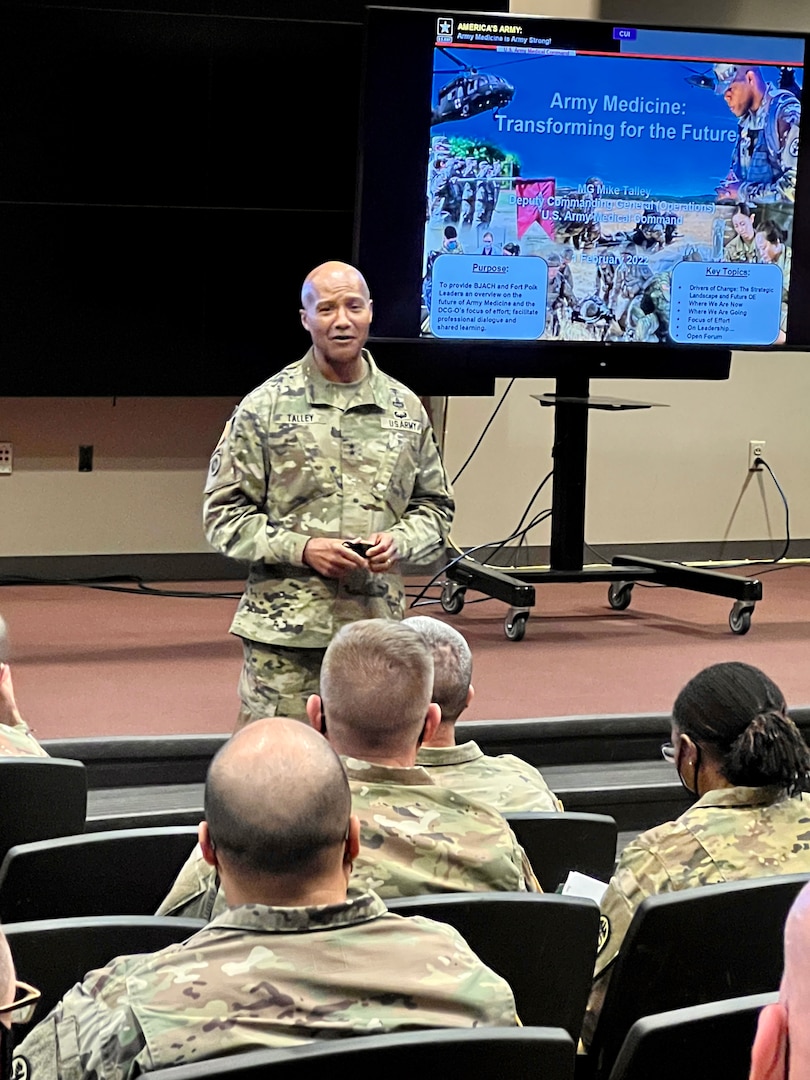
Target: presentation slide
x,y
638,190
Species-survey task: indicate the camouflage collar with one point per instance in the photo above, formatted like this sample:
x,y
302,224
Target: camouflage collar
x,y
258,918
741,796
369,773
372,390
449,755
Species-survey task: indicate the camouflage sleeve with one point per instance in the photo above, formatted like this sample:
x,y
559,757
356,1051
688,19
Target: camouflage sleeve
x,y
529,876
422,531
19,741
640,873
234,520
92,1032
782,188
636,874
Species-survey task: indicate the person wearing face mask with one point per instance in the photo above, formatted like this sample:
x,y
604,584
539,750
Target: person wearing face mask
x,y
736,749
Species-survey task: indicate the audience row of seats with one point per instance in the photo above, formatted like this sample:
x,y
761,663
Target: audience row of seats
x,y
662,1004
108,878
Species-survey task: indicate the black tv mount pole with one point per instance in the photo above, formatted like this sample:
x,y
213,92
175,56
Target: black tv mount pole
x,y
572,404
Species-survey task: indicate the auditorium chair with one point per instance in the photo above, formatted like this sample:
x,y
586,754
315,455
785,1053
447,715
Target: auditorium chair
x,y
144,819
557,843
702,1042
54,954
41,798
491,1053
543,944
691,947
121,872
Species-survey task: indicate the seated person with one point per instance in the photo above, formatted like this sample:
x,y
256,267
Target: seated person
x,y
293,958
772,247
416,837
505,782
742,248
734,747
16,738
782,1044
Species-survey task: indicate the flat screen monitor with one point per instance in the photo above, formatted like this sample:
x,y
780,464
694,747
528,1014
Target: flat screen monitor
x,y
537,195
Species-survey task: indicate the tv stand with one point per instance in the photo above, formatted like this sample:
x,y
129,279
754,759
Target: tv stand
x,y
572,404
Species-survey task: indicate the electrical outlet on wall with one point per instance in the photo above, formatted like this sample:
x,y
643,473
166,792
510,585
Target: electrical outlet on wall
x,y
756,452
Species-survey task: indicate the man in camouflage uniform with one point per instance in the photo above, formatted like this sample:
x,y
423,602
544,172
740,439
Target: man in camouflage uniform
x,y
729,834
763,163
505,782
632,274
294,958
327,451
416,837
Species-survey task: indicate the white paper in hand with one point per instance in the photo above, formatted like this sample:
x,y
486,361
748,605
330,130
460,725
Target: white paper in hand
x,y
577,884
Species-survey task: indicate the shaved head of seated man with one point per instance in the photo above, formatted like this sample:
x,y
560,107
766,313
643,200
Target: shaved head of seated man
x,y
505,782
294,957
782,1044
416,836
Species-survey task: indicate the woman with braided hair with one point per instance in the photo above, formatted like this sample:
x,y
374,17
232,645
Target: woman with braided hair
x,y
736,749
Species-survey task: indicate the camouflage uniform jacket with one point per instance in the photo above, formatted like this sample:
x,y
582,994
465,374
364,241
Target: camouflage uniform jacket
x,y
766,152
740,250
729,834
415,838
418,837
261,977
506,782
302,457
18,741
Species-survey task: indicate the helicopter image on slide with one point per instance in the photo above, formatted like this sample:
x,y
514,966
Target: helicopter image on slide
x,y
704,79
470,92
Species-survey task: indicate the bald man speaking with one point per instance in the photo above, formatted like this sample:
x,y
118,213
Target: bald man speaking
x,y
326,477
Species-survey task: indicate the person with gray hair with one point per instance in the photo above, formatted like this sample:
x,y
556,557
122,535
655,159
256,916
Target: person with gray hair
x,y
782,1044
416,837
506,782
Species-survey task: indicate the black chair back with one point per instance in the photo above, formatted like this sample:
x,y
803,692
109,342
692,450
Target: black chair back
x,y
485,1053
687,948
703,1042
557,843
40,797
544,945
55,954
121,872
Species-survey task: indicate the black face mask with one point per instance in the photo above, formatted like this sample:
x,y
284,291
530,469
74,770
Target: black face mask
x,y
6,1052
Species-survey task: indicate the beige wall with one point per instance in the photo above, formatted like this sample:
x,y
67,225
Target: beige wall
x,y
143,496
665,474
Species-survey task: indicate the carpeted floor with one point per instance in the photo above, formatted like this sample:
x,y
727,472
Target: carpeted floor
x,y
92,662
